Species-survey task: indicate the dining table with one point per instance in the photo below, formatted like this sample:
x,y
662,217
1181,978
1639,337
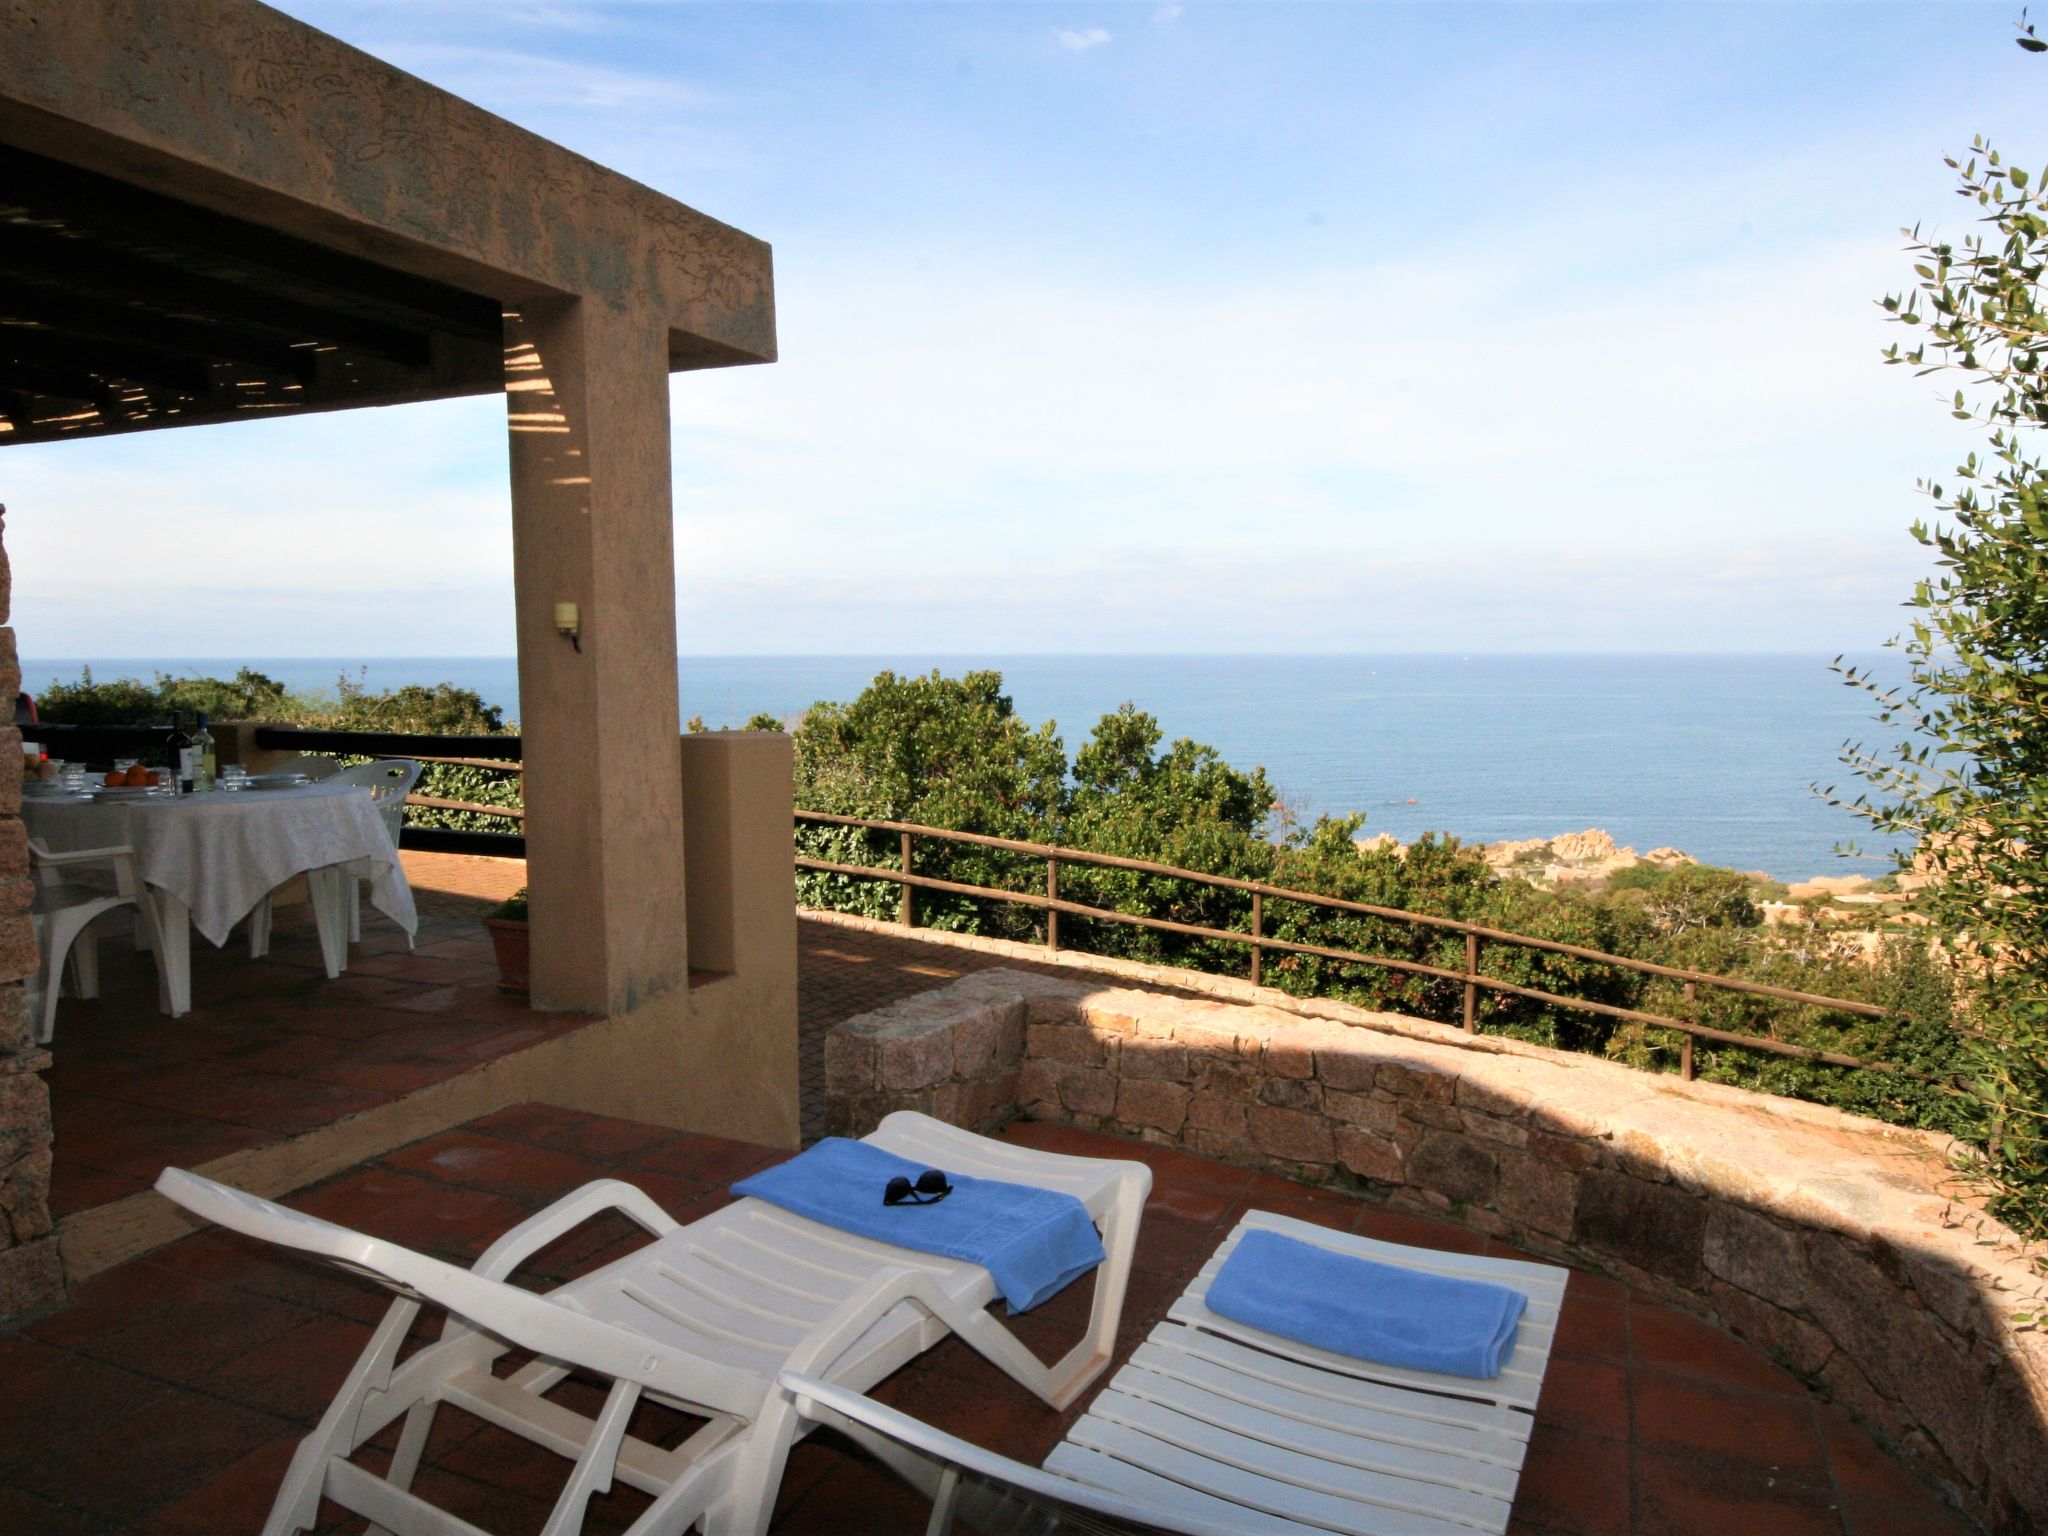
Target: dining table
x,y
206,860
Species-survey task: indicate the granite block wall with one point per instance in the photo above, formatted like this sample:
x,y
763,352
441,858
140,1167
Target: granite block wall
x,y
31,1277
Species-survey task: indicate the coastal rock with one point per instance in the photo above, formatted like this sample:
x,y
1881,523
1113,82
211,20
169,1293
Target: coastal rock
x,y
1584,860
1591,846
1829,885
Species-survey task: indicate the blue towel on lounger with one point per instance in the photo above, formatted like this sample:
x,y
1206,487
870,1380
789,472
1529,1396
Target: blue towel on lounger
x,y
1032,1240
1369,1311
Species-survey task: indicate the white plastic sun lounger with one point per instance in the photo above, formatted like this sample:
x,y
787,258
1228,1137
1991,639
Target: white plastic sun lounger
x,y
1218,1429
702,1319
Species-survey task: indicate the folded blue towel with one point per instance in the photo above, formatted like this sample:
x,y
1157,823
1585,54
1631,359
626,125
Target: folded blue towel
x,y
1352,1306
1032,1240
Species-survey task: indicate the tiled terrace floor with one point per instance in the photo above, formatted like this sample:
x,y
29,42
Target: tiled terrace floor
x,y
271,1048
167,1397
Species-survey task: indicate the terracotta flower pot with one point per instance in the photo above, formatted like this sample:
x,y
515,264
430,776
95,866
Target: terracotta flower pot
x,y
509,937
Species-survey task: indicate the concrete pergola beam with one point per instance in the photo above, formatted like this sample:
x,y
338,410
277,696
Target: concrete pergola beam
x,y
235,107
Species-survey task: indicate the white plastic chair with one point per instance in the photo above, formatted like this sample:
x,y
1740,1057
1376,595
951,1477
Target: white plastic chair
x,y
703,1318
389,781
335,896
1215,1428
63,913
314,765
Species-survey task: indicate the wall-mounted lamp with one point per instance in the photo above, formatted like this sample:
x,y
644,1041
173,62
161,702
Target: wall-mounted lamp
x,y
569,625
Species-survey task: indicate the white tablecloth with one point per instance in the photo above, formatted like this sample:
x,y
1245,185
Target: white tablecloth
x,y
221,853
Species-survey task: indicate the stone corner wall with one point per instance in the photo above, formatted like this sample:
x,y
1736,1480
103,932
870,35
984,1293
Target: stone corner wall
x,y
31,1277
1838,1245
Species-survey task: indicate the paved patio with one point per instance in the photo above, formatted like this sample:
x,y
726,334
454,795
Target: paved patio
x,y
167,1397
272,1048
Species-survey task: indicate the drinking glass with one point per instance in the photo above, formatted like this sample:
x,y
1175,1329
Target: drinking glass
x,y
233,776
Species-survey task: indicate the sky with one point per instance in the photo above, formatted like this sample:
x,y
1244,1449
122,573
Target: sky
x,y
1164,327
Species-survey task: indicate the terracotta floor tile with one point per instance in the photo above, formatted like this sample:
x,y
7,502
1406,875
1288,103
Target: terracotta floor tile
x,y
453,1223
606,1140
1915,1515
1320,1208
389,1080
1576,1483
861,1489
1393,1226
158,1442
363,1197
532,1123
164,1325
488,1162
1766,1431
140,1141
1861,1468
74,1187
32,1516
1050,1136
295,1374
1169,1245
711,1160
419,969
1687,1496
224,1504
1592,1329
227,1258
1187,1204
1586,1396
1024,1428
1667,1339
289,1050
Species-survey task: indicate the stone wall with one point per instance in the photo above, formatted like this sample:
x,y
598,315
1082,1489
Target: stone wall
x,y
30,1276
1838,1245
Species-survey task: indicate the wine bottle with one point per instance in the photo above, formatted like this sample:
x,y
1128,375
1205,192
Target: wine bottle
x,y
179,752
207,764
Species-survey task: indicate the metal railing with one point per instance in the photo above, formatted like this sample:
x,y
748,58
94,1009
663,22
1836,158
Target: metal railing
x,y
1469,976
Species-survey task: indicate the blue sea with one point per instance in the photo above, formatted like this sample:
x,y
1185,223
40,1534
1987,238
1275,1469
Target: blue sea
x,y
1710,754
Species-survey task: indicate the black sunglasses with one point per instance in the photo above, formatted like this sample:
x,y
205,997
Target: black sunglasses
x,y
931,1187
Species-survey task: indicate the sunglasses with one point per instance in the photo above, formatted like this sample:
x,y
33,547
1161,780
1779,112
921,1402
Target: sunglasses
x,y
931,1187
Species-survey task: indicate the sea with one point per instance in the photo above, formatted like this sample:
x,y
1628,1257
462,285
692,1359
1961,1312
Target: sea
x,y
1715,755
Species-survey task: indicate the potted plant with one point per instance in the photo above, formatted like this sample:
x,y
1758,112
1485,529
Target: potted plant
x,y
507,924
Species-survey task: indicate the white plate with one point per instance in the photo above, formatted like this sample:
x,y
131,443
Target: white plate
x,y
128,792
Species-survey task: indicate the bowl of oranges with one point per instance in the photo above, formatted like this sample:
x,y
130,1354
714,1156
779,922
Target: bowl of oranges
x,y
130,783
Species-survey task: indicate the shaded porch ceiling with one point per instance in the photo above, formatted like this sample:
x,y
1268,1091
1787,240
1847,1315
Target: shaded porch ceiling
x,y
123,309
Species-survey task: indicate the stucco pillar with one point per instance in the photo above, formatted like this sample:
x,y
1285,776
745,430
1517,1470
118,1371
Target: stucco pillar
x,y
587,391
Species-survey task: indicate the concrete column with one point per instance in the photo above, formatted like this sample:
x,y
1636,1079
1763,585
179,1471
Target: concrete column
x,y
587,392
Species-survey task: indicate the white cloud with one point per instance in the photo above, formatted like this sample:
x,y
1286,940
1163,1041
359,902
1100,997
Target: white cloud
x,y
1081,41
1168,14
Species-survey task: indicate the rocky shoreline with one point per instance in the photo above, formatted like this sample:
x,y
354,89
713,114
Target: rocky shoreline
x,y
1588,860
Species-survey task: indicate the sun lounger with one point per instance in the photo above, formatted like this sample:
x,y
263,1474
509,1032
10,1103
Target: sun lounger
x,y
1217,1429
702,1318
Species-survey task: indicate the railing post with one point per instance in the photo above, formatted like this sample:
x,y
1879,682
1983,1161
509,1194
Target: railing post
x,y
1471,986
1258,932
1052,894
909,917
1692,994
